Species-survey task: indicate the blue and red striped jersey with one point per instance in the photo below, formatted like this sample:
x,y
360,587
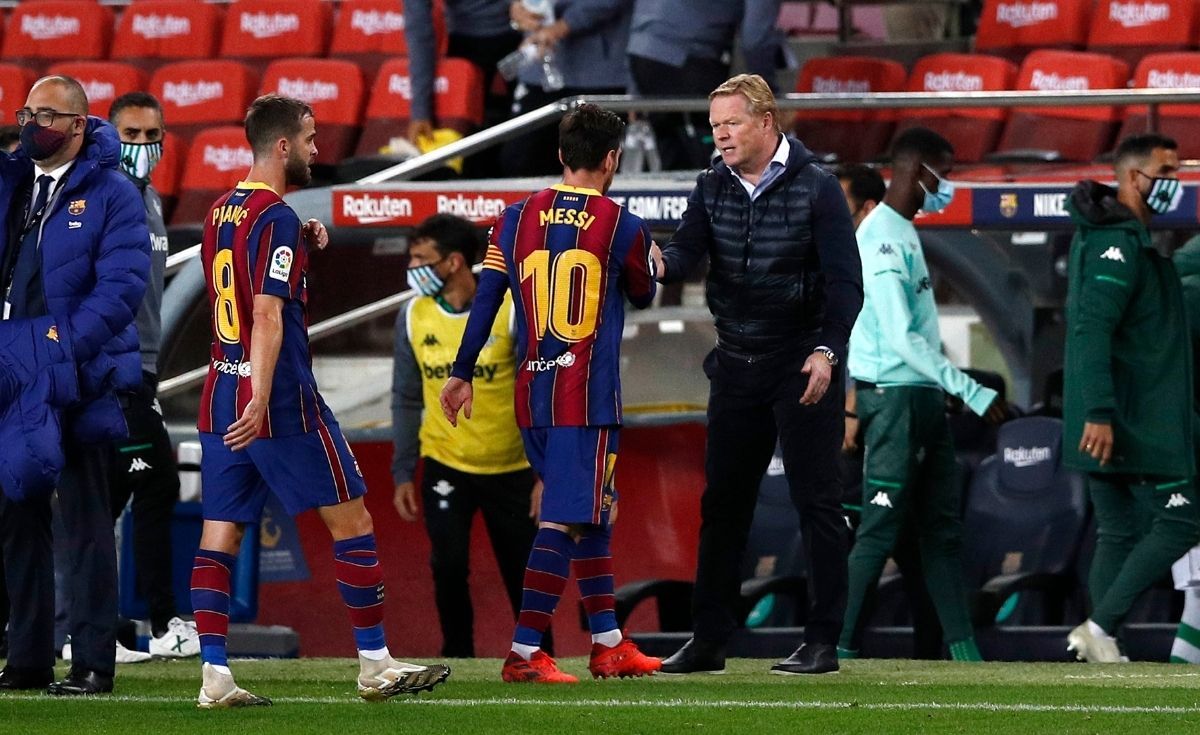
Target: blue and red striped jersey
x,y
253,245
570,256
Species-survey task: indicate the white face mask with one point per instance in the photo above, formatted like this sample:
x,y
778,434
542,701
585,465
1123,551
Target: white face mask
x,y
139,159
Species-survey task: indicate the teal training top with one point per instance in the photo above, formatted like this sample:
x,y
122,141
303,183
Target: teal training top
x,y
895,340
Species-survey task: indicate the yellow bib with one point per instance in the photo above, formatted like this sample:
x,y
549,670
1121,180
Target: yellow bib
x,y
488,443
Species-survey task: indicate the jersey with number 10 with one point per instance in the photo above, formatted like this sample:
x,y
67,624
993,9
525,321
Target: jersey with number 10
x,y
569,256
253,245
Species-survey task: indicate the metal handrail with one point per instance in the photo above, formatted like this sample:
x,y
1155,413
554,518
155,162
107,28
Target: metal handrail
x,y
180,259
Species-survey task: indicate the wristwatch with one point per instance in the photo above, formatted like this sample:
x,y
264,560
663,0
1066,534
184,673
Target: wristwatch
x,y
829,354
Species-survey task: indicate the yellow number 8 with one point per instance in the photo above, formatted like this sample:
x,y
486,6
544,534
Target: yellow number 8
x,y
225,313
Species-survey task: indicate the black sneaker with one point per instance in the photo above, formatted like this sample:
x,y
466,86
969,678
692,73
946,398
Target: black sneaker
x,y
696,657
809,658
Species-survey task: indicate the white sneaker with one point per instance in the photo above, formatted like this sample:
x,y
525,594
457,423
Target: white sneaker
x,y
219,691
378,680
126,656
66,650
180,641
1098,649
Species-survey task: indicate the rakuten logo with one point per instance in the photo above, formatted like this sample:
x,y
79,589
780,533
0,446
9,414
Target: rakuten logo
x,y
1053,82
402,85
224,158
269,25
373,22
1019,15
161,26
952,81
1172,79
308,90
1135,15
238,368
373,208
49,27
187,94
830,85
1026,456
478,207
98,90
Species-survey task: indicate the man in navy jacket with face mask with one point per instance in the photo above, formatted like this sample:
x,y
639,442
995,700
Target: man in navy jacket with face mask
x,y
74,246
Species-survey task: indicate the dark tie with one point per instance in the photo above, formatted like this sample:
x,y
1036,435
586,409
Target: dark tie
x,y
26,295
43,186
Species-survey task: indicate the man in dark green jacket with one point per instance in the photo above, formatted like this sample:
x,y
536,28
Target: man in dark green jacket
x,y
1128,388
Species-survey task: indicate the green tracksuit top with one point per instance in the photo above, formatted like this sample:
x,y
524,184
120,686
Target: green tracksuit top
x,y
1128,353
896,340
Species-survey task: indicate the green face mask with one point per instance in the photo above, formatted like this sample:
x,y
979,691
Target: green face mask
x,y
139,159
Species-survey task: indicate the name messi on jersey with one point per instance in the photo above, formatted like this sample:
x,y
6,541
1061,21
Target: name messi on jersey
x,y
229,213
561,216
442,372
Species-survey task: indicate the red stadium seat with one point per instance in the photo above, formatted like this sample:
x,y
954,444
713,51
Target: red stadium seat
x,y
1076,133
199,94
1013,28
155,32
15,82
371,31
166,175
1131,29
334,88
457,103
851,135
1181,122
42,33
973,131
259,31
103,81
218,159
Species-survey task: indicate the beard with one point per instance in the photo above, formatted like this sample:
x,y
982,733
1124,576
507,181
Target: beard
x,y
296,171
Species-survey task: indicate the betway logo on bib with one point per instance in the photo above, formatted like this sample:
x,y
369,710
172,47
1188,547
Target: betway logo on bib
x,y
269,25
1056,83
1135,15
1170,79
161,26
1026,456
224,158
187,94
373,22
49,27
1019,15
308,90
952,81
830,85
98,90
370,208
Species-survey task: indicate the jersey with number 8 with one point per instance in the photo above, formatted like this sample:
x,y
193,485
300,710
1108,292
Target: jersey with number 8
x,y
253,246
570,256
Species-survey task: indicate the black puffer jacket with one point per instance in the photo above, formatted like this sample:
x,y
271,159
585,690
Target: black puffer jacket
x,y
784,269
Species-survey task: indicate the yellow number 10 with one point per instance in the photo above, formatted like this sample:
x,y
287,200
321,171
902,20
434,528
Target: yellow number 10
x,y
225,313
566,292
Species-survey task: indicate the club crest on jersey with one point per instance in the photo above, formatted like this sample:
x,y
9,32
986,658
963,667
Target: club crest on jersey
x,y
52,333
281,264
77,207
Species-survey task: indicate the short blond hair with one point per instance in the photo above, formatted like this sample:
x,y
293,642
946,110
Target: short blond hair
x,y
756,91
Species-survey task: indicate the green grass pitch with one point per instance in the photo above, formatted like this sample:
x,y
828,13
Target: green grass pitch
x,y
867,696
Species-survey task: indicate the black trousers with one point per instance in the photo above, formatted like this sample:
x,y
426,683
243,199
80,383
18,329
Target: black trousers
x,y
751,403
451,499
485,52
91,572
143,467
680,136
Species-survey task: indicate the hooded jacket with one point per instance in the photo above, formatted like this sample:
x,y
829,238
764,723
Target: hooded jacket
x,y
1128,351
95,253
784,270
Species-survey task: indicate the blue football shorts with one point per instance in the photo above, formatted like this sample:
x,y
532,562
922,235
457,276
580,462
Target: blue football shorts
x,y
576,464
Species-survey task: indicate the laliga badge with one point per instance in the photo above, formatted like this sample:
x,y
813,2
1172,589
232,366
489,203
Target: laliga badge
x,y
77,207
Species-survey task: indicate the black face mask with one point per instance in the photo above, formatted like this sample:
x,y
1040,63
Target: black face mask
x,y
41,143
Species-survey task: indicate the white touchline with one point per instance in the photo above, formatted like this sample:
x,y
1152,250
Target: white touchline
x,y
667,704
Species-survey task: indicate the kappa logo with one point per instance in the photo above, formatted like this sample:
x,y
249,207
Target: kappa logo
x,y
1113,253
886,249
431,340
139,465
1177,501
882,500
923,285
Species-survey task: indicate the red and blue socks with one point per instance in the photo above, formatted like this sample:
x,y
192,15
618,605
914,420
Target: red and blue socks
x,y
210,603
545,579
593,566
360,581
